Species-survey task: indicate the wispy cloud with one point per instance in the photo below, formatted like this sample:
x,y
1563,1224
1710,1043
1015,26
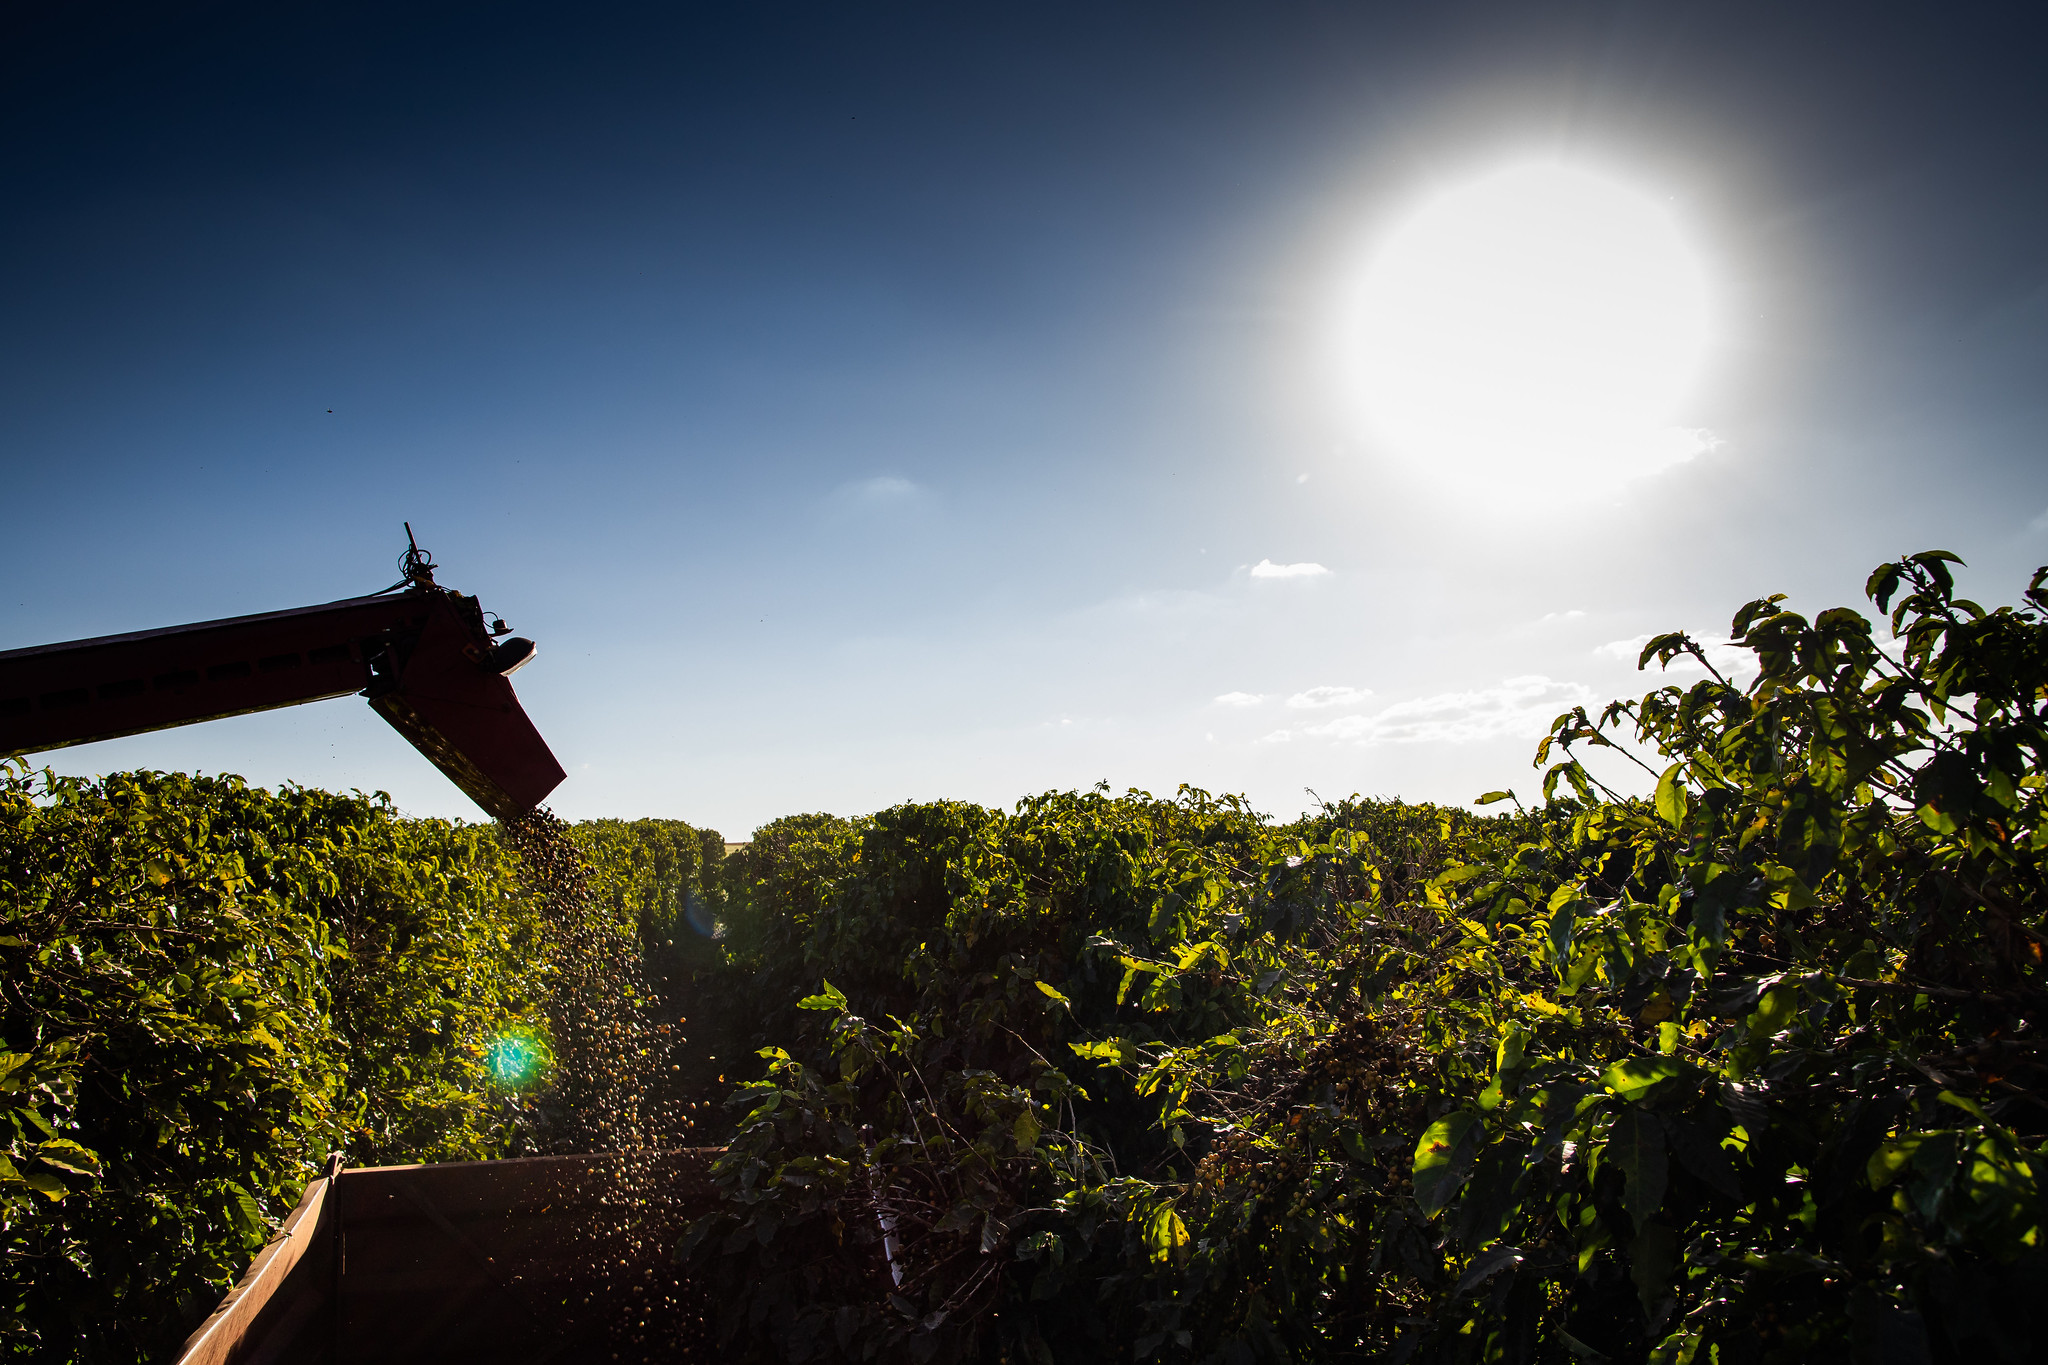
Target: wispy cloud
x,y
1517,708
883,490
1689,442
1728,658
2040,523
1266,568
1315,698
1239,699
1551,618
1628,650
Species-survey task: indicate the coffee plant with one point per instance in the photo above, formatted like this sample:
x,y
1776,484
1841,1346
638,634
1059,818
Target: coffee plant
x,y
206,987
1746,1070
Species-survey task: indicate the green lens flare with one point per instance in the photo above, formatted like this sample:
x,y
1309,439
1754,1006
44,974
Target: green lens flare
x,y
516,1059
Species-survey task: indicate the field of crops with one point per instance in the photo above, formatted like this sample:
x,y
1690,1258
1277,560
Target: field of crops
x,y
1748,1070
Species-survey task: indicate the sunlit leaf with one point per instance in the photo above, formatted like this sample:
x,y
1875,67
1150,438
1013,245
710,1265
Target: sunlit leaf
x,y
1443,1159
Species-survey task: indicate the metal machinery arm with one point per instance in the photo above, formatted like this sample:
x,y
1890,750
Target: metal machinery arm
x,y
423,657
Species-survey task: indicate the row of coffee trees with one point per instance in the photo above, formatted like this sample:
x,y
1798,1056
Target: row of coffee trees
x,y
206,987
1747,1070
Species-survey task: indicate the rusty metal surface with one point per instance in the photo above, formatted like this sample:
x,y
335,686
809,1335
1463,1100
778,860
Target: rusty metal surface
x,y
518,1262
302,1252
78,691
423,656
464,717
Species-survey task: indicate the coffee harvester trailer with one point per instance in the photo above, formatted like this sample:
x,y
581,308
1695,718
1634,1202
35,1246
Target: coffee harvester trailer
x,y
515,1262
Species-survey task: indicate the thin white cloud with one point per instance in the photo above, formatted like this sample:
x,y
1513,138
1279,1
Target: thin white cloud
x,y
1551,618
1728,658
1701,441
1628,650
1278,737
2040,523
1315,698
883,490
1239,699
1517,708
1266,568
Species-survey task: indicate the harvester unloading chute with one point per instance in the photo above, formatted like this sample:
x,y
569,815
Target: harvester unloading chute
x,y
423,655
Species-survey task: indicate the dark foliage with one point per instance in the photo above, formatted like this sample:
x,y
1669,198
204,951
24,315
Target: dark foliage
x,y
1746,1071
206,987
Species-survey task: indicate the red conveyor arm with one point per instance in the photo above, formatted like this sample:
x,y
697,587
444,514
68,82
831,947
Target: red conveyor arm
x,y
423,657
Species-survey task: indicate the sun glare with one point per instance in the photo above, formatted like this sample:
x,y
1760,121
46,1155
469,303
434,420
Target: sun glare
x,y
1536,328
516,1059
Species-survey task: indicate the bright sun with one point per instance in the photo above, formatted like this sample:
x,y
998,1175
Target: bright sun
x,y
1538,327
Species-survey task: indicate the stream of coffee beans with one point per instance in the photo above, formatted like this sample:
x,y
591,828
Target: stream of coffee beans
x,y
610,1050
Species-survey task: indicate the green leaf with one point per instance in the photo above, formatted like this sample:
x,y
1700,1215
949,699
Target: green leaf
x,y
1652,1257
1485,1266
958,1218
1132,968
1489,798
1165,1234
1680,1348
1580,1350
1442,1160
1661,646
1050,992
1636,1147
42,1182
1118,1050
245,1211
1705,1158
1934,1170
1890,1160
832,999
67,1155
699,1230
1774,1012
1637,1074
1792,893
1964,1103
1507,1054
1672,798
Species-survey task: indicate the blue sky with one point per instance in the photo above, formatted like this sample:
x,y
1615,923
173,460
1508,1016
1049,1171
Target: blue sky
x,y
862,404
